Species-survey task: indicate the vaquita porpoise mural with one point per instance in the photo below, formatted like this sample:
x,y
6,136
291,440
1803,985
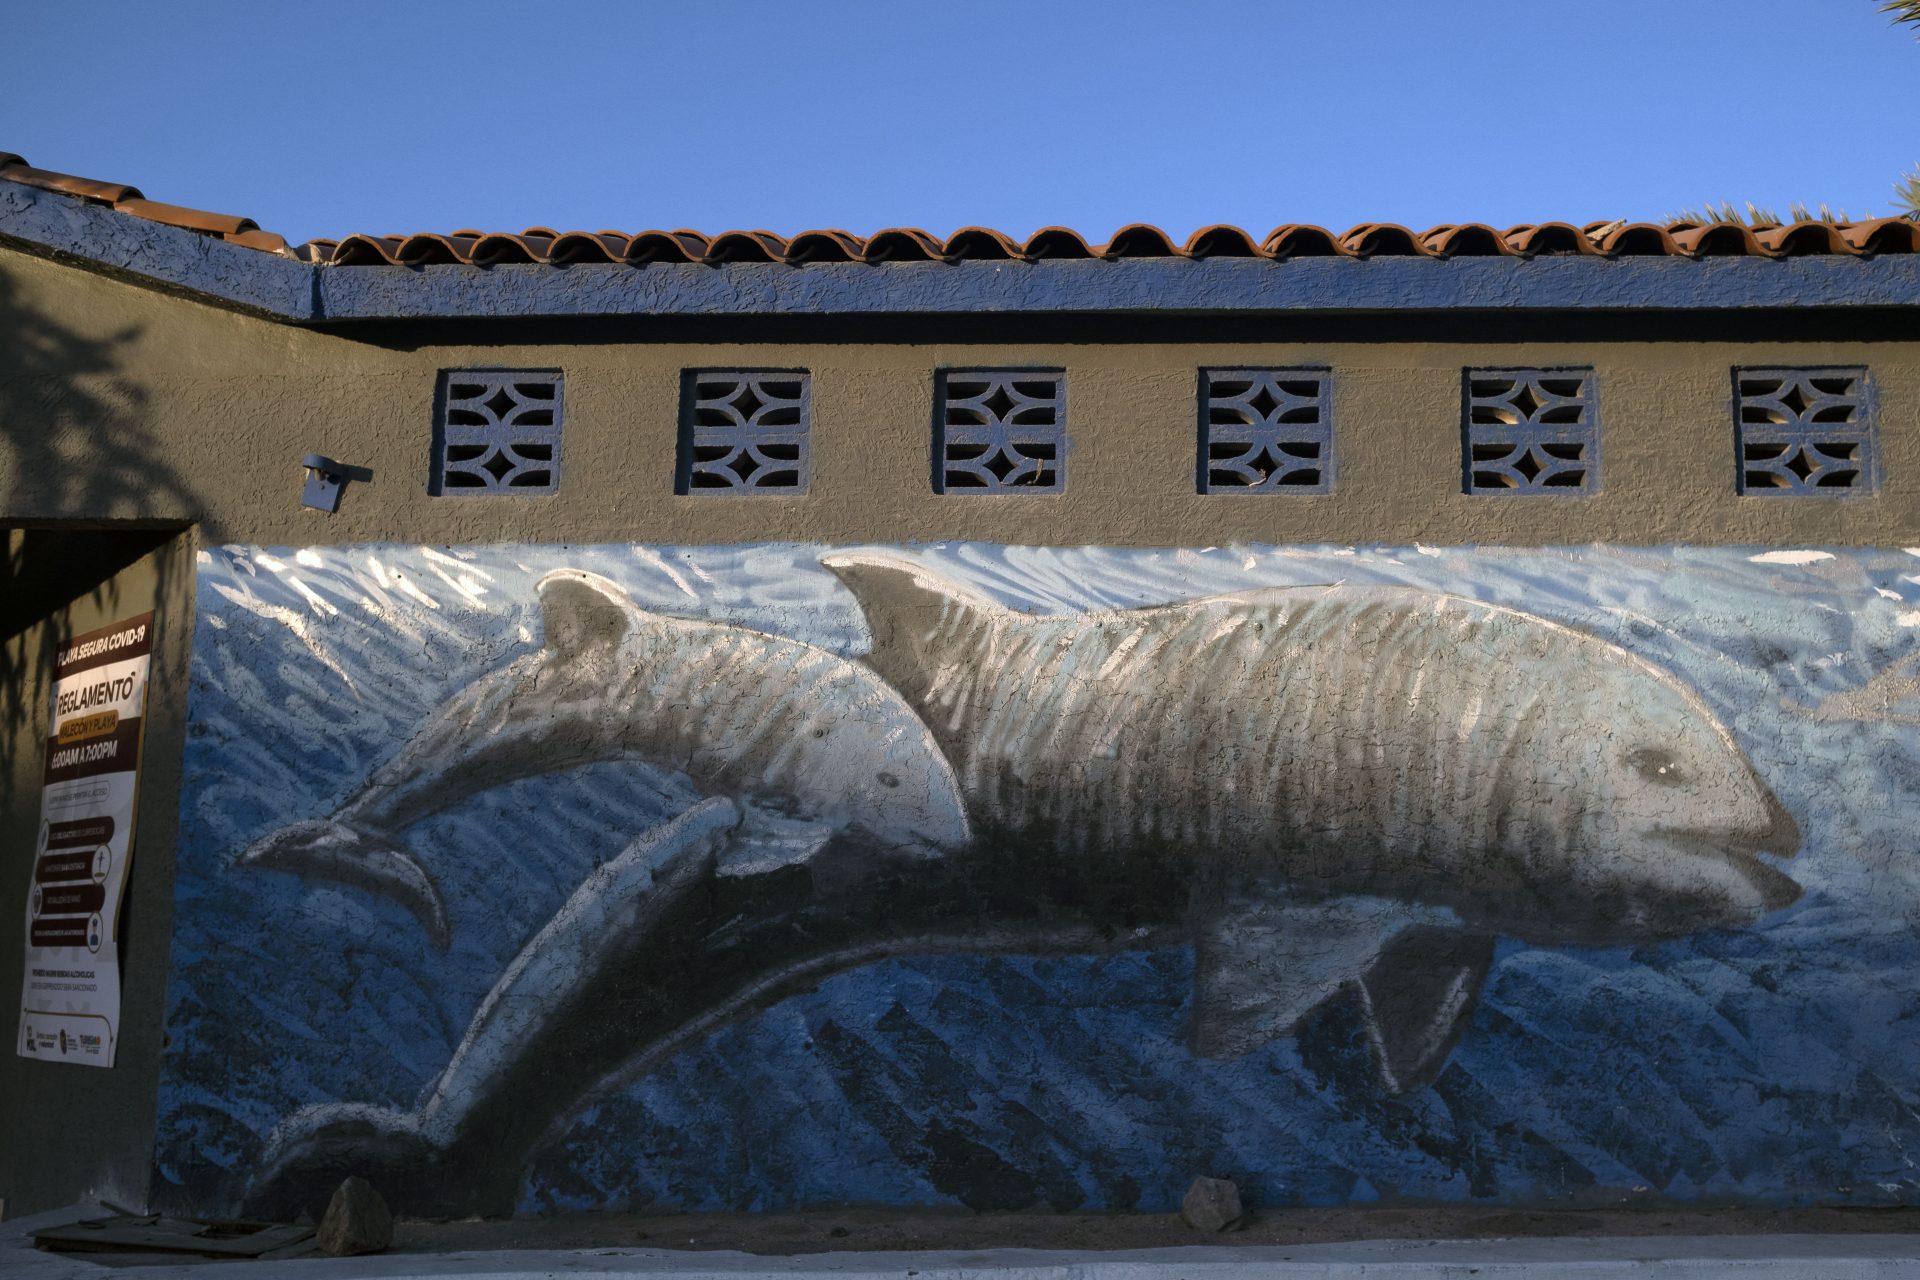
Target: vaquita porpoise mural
x,y
542,877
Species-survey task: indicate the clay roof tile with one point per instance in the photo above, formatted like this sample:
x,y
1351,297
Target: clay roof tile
x,y
603,247
746,246
1638,239
1221,241
1057,242
430,249
825,246
266,241
1802,238
982,244
1549,238
366,251
1883,235
179,216
1303,240
1717,239
1467,240
497,249
903,244
1139,240
666,246
1381,239
65,183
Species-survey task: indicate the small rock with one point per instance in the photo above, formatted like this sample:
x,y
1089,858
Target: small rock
x,y
838,1232
356,1221
1211,1204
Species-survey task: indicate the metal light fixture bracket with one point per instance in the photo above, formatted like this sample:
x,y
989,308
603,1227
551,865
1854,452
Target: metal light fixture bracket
x,y
324,480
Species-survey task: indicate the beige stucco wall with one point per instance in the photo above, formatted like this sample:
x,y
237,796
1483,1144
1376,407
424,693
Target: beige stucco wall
x,y
121,402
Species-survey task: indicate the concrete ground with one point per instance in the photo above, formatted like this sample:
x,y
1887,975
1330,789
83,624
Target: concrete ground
x,y
1398,1244
901,1230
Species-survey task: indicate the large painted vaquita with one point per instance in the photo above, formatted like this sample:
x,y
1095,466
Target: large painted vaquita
x,y
1321,789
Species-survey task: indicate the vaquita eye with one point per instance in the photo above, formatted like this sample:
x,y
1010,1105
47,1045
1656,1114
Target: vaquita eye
x,y
1656,766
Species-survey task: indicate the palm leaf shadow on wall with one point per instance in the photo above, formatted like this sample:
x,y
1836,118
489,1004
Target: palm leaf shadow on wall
x,y
75,446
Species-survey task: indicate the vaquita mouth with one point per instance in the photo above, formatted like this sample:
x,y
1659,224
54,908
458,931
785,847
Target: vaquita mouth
x,y
1743,852
1782,838
1777,889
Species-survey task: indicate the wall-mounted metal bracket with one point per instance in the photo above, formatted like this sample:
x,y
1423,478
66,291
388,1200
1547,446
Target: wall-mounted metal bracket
x,y
325,479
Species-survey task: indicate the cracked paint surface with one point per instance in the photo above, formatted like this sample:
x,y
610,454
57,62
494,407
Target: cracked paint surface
x,y
1769,1062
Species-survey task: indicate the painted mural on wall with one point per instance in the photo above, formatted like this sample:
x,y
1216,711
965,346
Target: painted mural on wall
x,y
755,877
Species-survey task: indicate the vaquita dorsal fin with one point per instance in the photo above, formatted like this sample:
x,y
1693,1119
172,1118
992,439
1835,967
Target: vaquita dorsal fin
x,y
914,615
582,612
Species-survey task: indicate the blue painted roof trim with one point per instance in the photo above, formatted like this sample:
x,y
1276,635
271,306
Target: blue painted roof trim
x,y
304,293
230,273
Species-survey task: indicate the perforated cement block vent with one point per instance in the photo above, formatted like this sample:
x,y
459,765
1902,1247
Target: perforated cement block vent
x,y
744,431
497,432
1000,431
1530,431
1266,431
1806,432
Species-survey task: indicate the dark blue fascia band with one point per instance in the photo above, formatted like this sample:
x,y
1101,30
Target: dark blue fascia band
x,y
303,293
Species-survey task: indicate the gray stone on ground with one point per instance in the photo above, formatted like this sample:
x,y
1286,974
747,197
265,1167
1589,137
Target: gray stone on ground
x,y
1211,1204
356,1221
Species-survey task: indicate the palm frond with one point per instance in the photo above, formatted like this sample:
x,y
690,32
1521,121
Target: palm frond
x,y
1903,11
1906,192
1755,216
1797,212
1726,211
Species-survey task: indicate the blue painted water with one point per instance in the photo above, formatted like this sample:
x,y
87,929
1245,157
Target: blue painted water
x,y
1779,1064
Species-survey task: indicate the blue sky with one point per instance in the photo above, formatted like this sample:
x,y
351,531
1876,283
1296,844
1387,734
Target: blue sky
x,y
420,115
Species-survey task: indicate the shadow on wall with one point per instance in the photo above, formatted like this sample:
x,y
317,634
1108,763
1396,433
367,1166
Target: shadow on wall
x,y
80,483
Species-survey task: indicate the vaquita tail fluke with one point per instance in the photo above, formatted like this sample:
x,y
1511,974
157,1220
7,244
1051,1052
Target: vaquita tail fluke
x,y
316,1148
359,858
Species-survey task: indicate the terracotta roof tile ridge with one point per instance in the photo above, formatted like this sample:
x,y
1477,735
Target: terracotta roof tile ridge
x,y
131,200
1617,238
